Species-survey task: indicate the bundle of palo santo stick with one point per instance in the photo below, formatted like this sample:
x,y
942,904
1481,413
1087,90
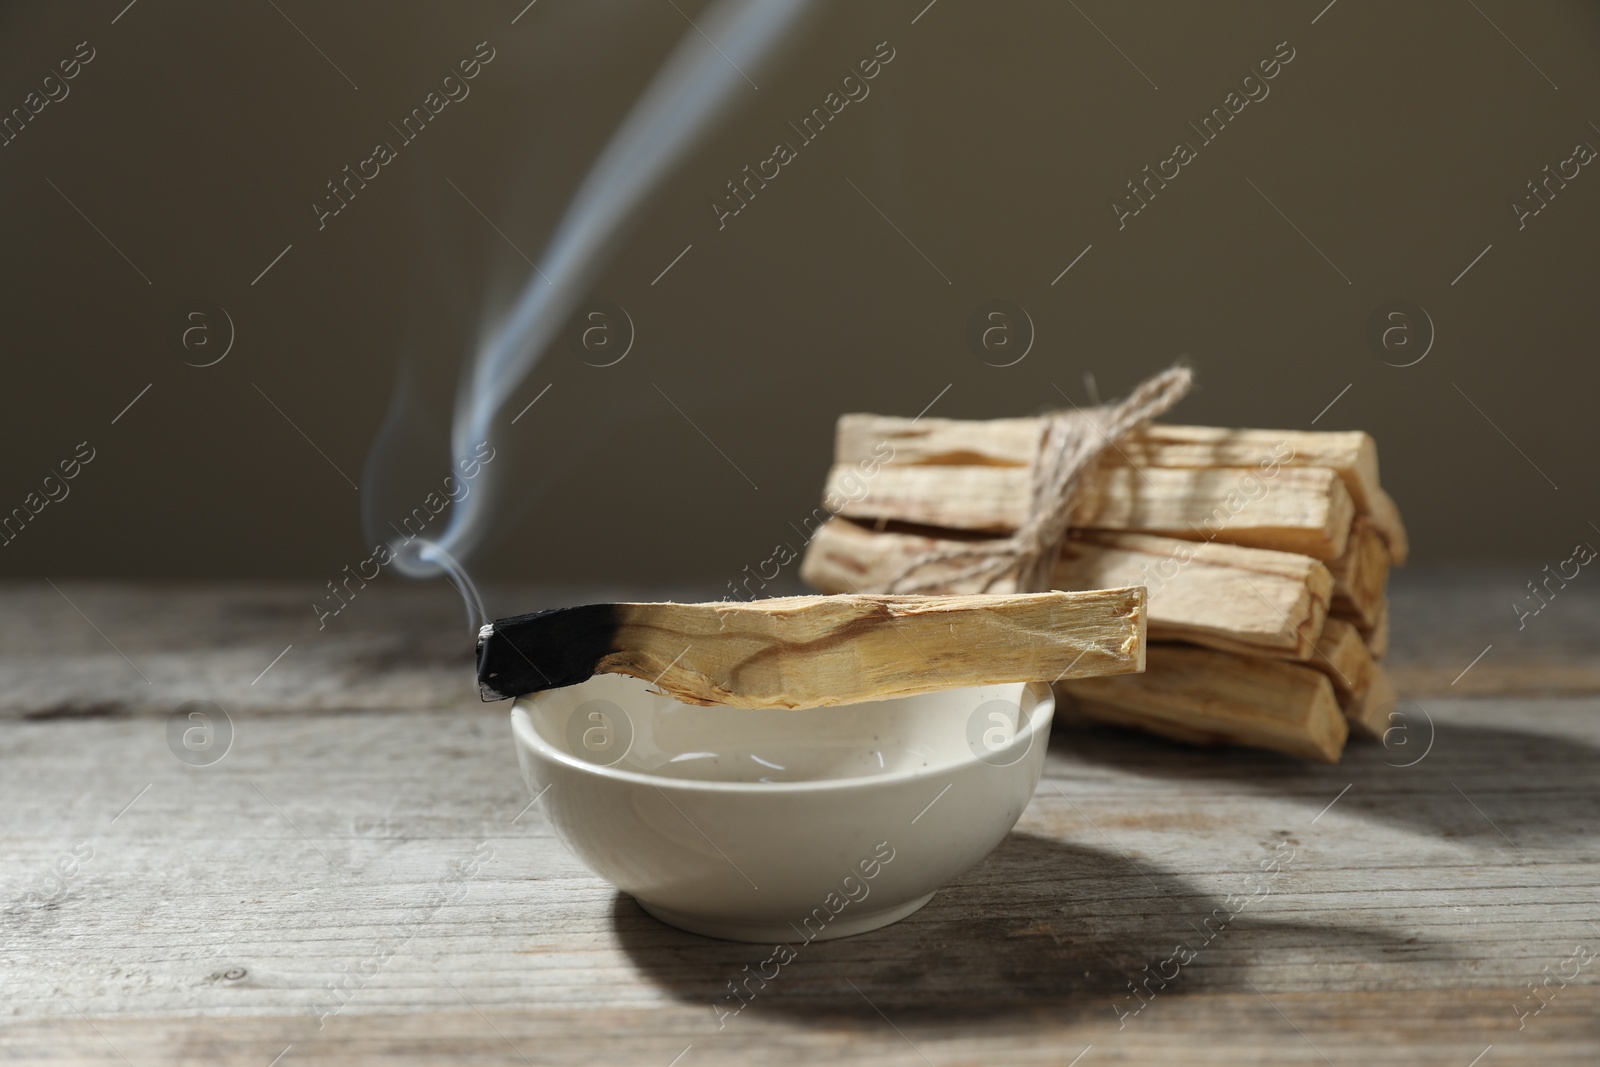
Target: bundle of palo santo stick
x,y
1266,555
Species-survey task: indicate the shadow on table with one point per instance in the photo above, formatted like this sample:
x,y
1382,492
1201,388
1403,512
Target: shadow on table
x,y
1536,788
1039,929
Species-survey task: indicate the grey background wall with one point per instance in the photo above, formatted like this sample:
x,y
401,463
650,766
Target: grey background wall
x,y
189,150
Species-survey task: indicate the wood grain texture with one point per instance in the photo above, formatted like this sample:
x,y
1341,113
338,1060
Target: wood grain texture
x,y
1384,514
1361,576
1377,637
1239,599
1456,633
1353,454
1343,656
1376,709
1299,509
1408,911
1204,697
861,438
1365,693
821,651
1221,596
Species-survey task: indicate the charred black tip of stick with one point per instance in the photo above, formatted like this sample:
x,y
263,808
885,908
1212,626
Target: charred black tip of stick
x,y
544,650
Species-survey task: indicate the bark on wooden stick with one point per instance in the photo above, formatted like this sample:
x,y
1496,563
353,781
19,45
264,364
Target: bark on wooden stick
x,y
810,651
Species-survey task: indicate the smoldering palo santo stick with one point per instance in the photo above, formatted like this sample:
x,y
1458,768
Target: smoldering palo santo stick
x,y
814,651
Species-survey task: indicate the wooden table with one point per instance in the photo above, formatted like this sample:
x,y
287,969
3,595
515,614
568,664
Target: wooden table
x,y
1427,891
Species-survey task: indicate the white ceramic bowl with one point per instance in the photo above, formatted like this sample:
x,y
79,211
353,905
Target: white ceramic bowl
x,y
781,825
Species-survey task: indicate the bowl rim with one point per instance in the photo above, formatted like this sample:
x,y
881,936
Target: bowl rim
x,y
522,729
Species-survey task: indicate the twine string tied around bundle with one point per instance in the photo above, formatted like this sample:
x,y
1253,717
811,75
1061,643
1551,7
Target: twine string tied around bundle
x,y
1071,443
